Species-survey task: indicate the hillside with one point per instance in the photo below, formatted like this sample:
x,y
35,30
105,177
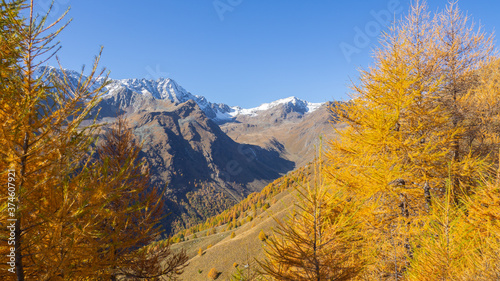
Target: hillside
x,y
246,219
203,170
284,128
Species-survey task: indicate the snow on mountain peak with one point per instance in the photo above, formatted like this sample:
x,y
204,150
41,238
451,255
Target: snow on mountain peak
x,y
168,89
305,105
162,88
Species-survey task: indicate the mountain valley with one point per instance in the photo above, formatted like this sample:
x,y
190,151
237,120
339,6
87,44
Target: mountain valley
x,y
210,156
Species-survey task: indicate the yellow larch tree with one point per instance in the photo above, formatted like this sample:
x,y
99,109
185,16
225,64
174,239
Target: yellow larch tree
x,y
44,145
9,50
73,217
446,246
484,219
130,213
401,136
319,241
464,51
390,154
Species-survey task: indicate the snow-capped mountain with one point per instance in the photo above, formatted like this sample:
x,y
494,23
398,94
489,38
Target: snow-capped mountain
x,y
168,89
73,77
297,104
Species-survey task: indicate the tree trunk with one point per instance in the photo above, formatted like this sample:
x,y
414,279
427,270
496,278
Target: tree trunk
x,y
17,230
406,214
427,194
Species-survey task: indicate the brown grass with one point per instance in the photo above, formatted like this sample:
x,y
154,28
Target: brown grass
x,y
226,251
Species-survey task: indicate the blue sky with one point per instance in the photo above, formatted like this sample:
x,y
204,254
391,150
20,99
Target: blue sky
x,y
239,52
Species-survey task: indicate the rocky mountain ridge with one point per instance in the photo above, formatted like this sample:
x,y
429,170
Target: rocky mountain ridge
x,y
169,90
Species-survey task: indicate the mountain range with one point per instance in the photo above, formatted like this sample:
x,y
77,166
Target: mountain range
x,y
209,156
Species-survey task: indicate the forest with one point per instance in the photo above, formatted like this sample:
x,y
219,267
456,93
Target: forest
x,y
408,190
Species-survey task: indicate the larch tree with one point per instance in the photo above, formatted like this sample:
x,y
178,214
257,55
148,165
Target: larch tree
x,y
391,153
460,241
318,241
130,215
43,146
70,216
401,136
446,246
484,219
9,50
464,51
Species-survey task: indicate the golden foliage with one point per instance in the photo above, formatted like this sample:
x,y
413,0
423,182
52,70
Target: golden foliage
x,y
319,241
213,273
77,218
484,218
444,248
419,134
42,140
262,235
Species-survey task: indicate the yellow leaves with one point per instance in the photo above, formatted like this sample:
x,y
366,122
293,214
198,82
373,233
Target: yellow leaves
x,y
36,129
444,243
484,208
424,119
320,240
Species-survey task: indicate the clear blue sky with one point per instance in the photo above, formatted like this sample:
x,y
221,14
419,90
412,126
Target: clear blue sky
x,y
239,52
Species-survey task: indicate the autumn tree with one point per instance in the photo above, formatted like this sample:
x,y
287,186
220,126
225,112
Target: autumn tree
x,y
9,42
483,219
445,246
319,241
72,214
130,213
464,51
460,241
44,144
410,122
213,273
390,154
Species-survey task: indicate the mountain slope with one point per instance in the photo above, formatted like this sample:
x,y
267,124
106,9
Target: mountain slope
x,y
210,165
256,213
282,128
206,171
